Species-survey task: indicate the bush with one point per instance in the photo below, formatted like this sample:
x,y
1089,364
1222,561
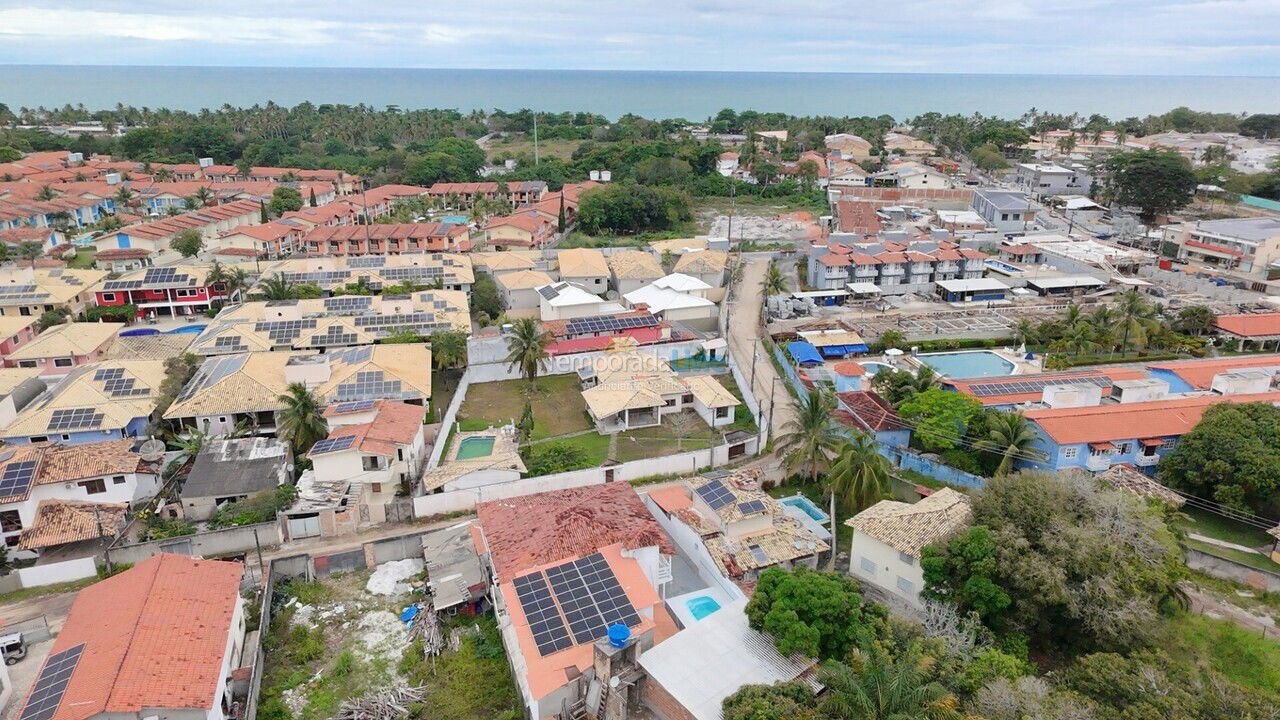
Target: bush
x,y
257,508
116,313
556,456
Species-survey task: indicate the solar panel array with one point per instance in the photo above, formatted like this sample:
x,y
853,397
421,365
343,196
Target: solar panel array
x,y
591,597
45,697
213,371
17,478
323,278
108,374
370,385
1035,386
334,335
549,291
19,289
396,320
75,418
606,323
122,285
549,632
348,303
10,297
373,261
124,387
284,332
759,555
328,445
402,273
166,276
356,406
233,343
751,506
715,494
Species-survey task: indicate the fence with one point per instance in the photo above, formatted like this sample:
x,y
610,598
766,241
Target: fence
x,y
57,572
212,543
1221,567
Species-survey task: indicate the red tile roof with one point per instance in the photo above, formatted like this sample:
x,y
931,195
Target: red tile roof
x,y
1250,324
123,254
395,424
870,411
834,260
1199,373
858,216
533,530
155,637
1121,421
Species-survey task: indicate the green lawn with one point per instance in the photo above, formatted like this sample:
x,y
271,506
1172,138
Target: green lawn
x,y
1254,560
742,419
662,440
556,148
1243,656
83,259
1216,526
558,407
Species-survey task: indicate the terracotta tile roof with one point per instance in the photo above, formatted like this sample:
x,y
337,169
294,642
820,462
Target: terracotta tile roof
x,y
1126,477
58,522
395,424
703,261
863,259
1250,324
1199,373
67,463
971,254
582,262
891,257
909,528
162,644
635,265
533,530
123,254
1162,418
671,498
834,260
870,411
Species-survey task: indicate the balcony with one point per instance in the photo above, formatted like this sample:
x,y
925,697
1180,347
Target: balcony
x,y
1097,463
1146,460
892,270
947,267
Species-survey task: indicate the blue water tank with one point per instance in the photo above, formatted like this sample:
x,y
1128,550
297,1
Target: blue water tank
x,y
619,634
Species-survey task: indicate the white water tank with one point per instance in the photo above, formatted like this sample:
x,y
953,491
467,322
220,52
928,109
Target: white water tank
x,y
594,175
1071,395
606,175
112,178
206,162
1144,390
1243,381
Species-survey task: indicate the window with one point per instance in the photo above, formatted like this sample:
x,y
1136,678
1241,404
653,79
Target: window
x,y
117,480
400,454
27,363
1004,216
906,585
686,398
906,559
39,438
669,402
371,462
10,521
93,487
24,311
866,565
1070,453
108,297
376,487
186,293
12,540
15,340
1123,448
63,362
1170,443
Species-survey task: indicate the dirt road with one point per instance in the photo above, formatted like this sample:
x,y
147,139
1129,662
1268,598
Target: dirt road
x,y
744,333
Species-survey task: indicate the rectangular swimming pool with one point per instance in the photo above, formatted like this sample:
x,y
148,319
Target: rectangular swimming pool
x,y
968,364
474,447
805,505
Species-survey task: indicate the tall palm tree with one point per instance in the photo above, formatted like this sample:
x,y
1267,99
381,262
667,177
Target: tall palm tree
x,y
1074,316
189,442
448,348
775,283
203,195
1079,338
879,688
1135,316
527,347
45,193
30,250
859,475
1024,332
1010,437
812,436
277,288
301,422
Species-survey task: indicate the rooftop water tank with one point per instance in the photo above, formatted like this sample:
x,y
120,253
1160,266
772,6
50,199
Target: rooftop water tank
x,y
619,634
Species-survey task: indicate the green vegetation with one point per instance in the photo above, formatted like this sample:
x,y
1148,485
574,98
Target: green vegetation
x,y
113,313
1244,657
679,432
812,437
940,417
576,453
1214,525
160,528
257,508
301,421
1232,456
558,407
818,614
1253,560
628,209
84,258
187,243
40,591
1154,181
527,348
473,683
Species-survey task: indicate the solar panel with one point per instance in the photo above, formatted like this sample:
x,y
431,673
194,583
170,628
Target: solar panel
x,y
590,597
348,303
334,335
356,406
328,445
751,506
373,261
548,291
122,285
758,554
213,371
540,611
17,478
608,323
75,418
715,494
371,385
166,276
1035,385
228,342
108,374
47,693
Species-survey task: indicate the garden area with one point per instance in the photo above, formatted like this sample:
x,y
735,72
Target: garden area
x,y
558,407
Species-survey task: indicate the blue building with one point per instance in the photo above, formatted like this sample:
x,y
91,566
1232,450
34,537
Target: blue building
x,y
867,412
92,403
1096,437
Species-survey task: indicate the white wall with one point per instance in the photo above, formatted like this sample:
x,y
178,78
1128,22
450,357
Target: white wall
x,y
58,572
889,567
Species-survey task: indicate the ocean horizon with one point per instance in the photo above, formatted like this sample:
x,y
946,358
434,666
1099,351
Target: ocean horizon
x,y
693,95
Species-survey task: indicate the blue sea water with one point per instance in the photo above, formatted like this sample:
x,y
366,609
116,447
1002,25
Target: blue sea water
x,y
691,95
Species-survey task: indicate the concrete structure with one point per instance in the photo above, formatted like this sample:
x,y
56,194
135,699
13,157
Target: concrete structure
x,y
174,291
1051,179
632,269
62,347
1006,211
584,267
888,537
1248,248
448,271
564,301
628,390
519,289
378,448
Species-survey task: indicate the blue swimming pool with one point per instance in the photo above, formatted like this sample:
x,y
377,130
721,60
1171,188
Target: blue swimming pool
x,y
875,367
968,364
186,330
806,506
701,606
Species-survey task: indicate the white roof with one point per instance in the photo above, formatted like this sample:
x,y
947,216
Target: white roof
x,y
970,284
710,660
862,287
1066,281
562,294
960,216
659,299
1080,203
680,283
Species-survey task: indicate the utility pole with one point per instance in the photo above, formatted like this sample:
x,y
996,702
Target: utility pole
x,y
262,569
535,138
106,551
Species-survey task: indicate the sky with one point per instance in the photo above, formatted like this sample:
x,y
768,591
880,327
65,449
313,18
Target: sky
x,y
1143,37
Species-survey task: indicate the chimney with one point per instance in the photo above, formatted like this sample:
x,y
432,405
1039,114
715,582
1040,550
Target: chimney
x,y
615,689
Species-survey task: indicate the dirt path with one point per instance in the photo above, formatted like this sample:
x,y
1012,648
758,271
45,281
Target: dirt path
x,y
1206,604
749,352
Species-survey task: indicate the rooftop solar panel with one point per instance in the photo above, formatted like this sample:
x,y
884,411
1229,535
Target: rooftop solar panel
x,y
591,597
47,693
328,445
108,374
715,494
74,419
751,506
1035,385
16,478
354,406
540,612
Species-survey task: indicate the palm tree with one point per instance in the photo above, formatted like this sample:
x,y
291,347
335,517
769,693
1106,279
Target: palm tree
x,y
1195,319
30,250
880,688
527,347
859,475
124,198
189,443
45,193
1079,338
775,283
1011,437
203,195
1135,316
277,288
236,280
812,437
1074,316
301,421
448,348
1024,332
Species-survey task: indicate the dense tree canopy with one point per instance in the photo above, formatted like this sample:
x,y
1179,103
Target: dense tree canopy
x,y
627,209
818,614
1154,181
1232,456
939,416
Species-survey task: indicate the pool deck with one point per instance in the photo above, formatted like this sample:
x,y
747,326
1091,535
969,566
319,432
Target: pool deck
x,y
678,607
1021,366
813,526
502,438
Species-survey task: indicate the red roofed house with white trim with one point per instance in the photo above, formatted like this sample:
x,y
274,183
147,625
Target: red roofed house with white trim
x,y
386,449
160,639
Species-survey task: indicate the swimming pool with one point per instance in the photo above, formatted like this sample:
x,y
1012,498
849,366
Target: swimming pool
x,y
1003,267
968,364
875,367
701,606
184,330
805,505
474,447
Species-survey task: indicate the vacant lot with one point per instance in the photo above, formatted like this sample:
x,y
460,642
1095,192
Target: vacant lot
x,y
517,146
677,433
1243,656
558,407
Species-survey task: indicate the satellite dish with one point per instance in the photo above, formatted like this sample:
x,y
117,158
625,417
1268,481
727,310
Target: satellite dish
x,y
152,450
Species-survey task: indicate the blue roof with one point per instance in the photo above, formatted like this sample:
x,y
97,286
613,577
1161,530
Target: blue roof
x,y
842,350
803,352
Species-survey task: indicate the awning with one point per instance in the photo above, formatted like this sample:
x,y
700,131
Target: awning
x,y
1102,446
842,350
1152,442
863,288
802,352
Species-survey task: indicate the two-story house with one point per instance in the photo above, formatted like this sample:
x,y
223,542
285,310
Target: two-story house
x,y
377,446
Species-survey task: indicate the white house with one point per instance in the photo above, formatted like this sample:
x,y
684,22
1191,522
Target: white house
x,y
377,446
676,297
519,288
629,390
100,472
888,537
565,301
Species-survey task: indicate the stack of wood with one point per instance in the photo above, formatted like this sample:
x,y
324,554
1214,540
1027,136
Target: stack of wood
x,y
432,633
381,705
